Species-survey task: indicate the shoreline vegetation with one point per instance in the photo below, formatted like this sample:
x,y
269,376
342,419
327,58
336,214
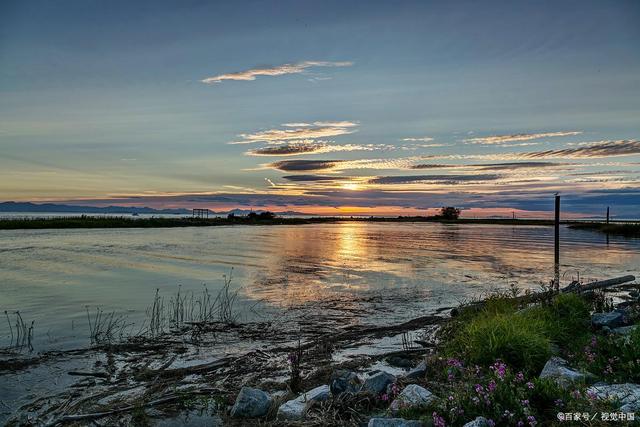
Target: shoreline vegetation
x,y
511,358
266,218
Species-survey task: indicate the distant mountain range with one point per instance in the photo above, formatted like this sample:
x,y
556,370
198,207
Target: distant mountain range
x,y
52,208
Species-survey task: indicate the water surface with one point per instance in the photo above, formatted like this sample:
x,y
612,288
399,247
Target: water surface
x,y
374,272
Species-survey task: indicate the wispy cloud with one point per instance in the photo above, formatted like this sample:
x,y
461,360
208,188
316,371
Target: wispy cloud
x,y
592,150
596,149
316,178
304,165
311,147
501,139
421,139
299,131
517,165
280,70
434,179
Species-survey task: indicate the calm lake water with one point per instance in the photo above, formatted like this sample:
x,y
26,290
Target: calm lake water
x,y
377,273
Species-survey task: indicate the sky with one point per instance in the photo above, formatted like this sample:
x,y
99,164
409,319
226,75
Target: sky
x,y
325,107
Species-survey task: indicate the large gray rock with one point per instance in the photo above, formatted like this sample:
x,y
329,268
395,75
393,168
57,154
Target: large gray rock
x,y
611,319
345,382
377,383
478,422
296,409
412,396
250,403
393,422
628,395
556,369
417,372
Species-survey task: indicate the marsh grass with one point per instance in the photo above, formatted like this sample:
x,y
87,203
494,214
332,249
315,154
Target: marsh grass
x,y
21,333
107,328
192,309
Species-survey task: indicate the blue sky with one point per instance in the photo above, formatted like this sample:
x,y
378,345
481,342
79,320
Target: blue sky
x,y
208,103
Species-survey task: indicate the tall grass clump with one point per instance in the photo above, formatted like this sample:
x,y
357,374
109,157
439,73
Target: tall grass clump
x,y
523,338
518,340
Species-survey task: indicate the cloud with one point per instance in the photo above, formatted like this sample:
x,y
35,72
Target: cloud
x,y
304,165
500,139
423,139
432,166
280,70
310,147
301,131
597,149
436,179
516,165
315,178
591,150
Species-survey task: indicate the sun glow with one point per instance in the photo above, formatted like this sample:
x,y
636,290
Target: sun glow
x,y
351,186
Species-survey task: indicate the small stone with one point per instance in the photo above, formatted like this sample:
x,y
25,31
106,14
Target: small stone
x,y
623,330
628,395
611,319
393,422
296,409
251,402
478,422
418,372
556,369
412,396
377,383
345,382
400,362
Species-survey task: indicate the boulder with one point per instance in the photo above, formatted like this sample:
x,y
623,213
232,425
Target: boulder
x,y
556,369
418,372
251,402
412,396
345,382
296,409
478,422
628,395
611,319
393,422
377,383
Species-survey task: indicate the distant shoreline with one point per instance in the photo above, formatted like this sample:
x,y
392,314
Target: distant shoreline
x,y
161,222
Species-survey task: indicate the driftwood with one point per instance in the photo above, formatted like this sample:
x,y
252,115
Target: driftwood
x,y
573,287
89,374
94,415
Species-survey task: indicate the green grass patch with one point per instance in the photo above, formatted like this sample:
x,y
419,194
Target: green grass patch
x,y
521,338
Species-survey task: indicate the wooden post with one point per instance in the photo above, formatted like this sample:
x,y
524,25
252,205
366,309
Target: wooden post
x,y
607,214
556,247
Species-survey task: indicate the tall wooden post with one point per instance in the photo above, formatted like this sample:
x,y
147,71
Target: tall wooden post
x,y
607,214
556,247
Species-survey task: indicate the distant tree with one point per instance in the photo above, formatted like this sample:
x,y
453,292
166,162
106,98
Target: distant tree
x,y
231,216
266,215
449,212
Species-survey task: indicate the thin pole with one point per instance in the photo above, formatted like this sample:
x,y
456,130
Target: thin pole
x,y
556,258
607,214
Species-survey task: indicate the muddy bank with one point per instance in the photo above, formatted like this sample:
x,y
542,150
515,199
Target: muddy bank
x,y
196,371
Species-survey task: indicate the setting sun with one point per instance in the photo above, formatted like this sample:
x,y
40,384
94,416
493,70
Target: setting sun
x,y
351,186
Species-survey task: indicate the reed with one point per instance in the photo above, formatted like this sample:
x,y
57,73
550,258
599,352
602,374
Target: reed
x,y
186,308
23,336
107,328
